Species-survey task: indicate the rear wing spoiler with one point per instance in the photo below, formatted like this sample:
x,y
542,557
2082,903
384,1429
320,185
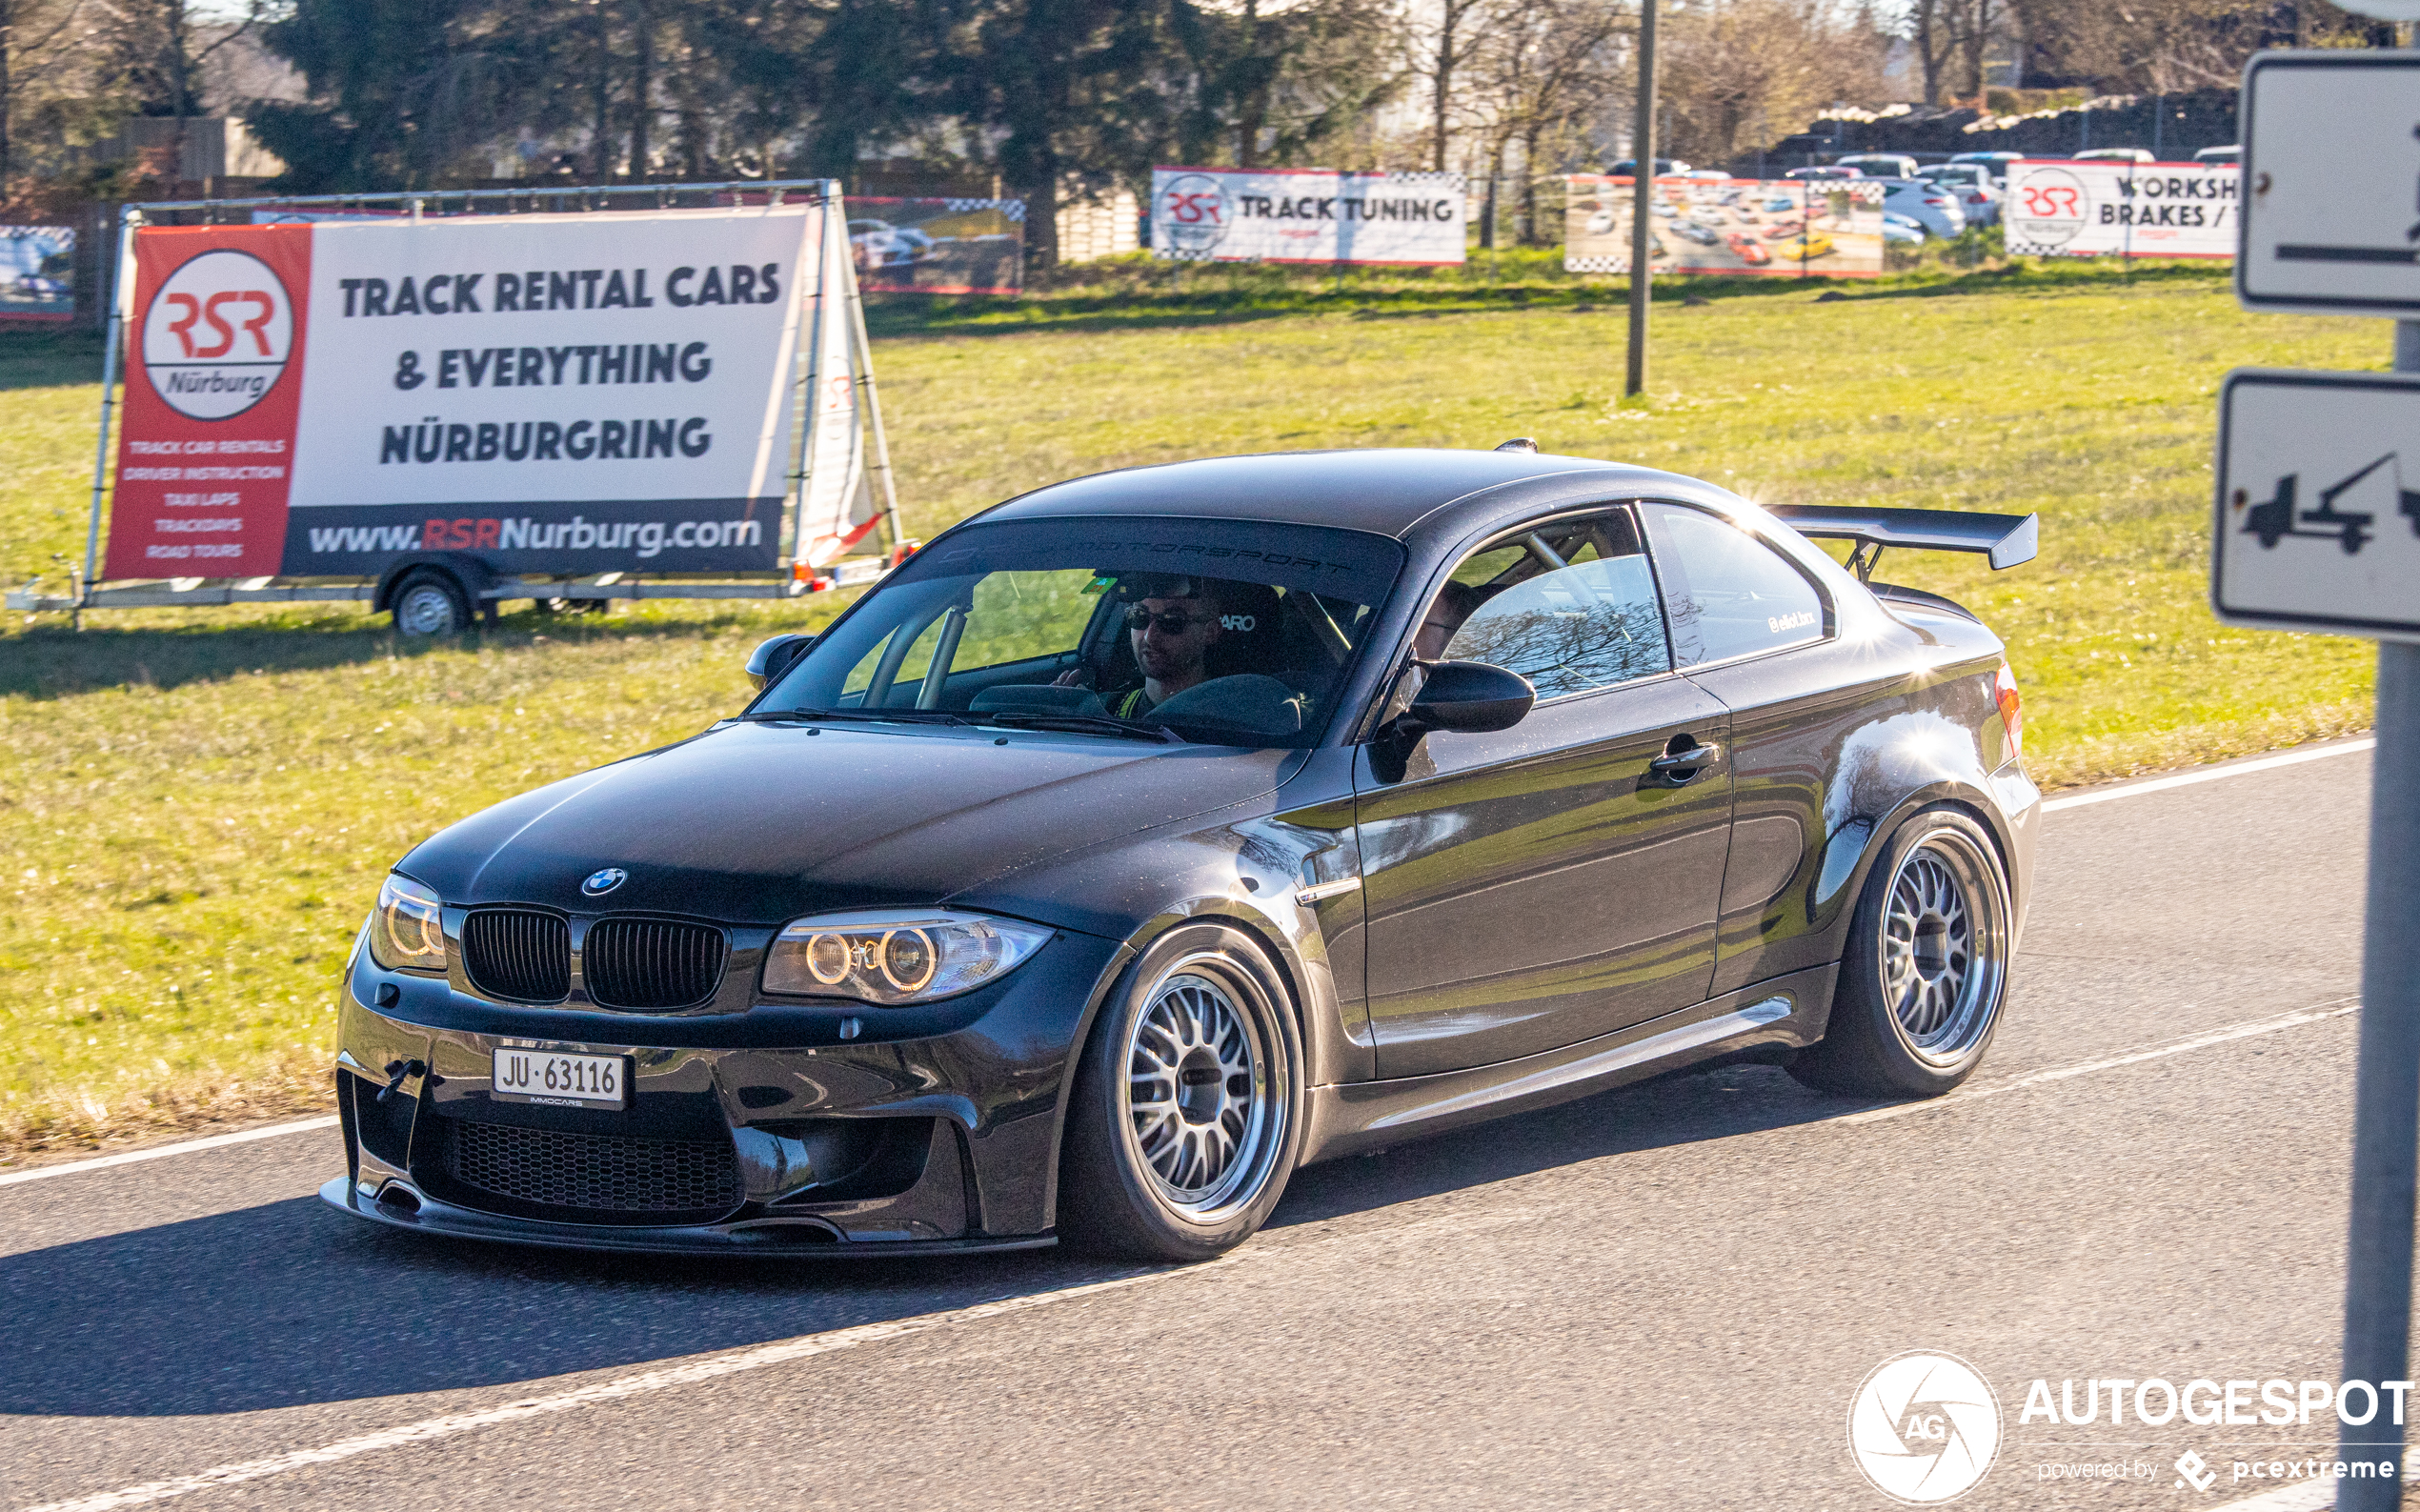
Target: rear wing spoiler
x,y
2007,539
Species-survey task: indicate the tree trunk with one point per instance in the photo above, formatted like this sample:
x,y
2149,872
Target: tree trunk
x,y
1441,83
178,60
1042,214
1928,23
642,103
601,168
1529,233
7,41
1487,207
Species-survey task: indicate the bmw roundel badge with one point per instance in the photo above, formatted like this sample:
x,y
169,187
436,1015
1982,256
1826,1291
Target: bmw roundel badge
x,y
605,882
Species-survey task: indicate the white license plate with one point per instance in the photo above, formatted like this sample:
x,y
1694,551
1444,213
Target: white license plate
x,y
562,1080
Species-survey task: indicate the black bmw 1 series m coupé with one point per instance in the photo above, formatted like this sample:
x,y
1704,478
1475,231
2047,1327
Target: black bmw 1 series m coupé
x,y
1153,834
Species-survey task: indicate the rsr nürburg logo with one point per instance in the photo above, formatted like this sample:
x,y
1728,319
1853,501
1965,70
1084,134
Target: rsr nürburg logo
x,y
217,336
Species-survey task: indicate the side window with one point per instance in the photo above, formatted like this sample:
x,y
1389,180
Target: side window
x,y
1727,593
1590,622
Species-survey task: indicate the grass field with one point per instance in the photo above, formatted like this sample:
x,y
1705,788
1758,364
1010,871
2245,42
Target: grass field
x,y
195,806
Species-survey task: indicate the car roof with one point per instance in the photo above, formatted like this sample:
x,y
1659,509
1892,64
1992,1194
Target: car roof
x,y
1385,491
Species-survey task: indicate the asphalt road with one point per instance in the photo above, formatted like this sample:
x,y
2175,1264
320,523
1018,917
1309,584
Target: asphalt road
x,y
1658,1298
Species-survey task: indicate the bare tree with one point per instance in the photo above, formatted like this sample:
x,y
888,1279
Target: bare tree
x,y
1446,39
1733,68
1543,70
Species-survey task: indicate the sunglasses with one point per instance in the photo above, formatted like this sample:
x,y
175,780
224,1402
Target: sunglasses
x,y
1171,622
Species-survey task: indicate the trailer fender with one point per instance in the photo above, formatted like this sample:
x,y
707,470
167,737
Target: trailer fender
x,y
473,576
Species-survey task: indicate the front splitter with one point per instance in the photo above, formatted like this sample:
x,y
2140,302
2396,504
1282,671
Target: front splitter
x,y
756,1239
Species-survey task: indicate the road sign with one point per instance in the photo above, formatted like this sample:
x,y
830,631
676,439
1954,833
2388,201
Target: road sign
x,y
2318,513
2332,175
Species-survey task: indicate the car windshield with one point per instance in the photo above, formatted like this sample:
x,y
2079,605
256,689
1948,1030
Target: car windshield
x,y
1224,631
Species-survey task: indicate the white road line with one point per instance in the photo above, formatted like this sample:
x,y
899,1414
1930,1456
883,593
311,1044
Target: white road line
x,y
714,1367
162,1151
2185,779
2335,1009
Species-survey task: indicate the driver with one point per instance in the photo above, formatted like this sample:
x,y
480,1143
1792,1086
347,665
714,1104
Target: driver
x,y
1171,631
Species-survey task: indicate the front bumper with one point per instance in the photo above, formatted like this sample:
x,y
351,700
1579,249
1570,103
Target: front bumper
x,y
789,1129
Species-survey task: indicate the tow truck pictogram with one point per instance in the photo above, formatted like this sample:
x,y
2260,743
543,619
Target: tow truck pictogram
x,y
2275,517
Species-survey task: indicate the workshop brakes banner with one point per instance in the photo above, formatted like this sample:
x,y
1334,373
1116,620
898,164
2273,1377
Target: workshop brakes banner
x,y
1308,215
2060,207
546,393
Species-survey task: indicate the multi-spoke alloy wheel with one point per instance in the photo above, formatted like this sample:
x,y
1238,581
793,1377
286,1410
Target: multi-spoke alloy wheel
x,y
1921,987
1198,1103
1184,1123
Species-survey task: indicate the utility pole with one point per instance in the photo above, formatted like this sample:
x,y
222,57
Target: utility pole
x,y
1642,146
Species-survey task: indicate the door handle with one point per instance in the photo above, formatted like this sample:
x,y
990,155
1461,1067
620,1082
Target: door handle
x,y
1681,768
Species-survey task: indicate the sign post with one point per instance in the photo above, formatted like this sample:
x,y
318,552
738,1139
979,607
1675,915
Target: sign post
x,y
2320,531
1643,147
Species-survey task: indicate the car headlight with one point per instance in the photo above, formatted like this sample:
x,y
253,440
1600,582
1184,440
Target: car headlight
x,y
405,930
895,955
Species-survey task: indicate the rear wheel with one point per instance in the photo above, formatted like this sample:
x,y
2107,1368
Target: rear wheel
x,y
430,603
1926,968
1186,1117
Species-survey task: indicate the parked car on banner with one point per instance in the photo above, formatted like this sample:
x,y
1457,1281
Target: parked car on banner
x,y
1925,203
1230,842
1971,186
1782,230
1698,231
879,244
1780,204
1804,248
1747,249
1880,165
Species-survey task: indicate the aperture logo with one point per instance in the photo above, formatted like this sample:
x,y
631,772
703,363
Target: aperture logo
x,y
1923,1428
218,334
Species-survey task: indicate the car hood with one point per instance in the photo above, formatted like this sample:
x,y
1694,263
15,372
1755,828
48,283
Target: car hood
x,y
754,823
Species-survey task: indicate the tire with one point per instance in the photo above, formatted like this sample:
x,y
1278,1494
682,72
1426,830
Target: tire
x,y
1927,969
1164,1159
430,603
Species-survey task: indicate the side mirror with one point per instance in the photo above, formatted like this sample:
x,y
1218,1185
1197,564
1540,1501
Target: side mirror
x,y
1471,697
774,656
1468,698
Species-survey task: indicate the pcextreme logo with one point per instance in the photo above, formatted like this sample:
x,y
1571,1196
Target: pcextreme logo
x,y
1923,1428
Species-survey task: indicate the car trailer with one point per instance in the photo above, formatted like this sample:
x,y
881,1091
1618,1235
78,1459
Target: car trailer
x,y
443,592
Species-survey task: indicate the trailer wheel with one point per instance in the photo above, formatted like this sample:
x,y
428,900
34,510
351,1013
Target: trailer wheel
x,y
430,603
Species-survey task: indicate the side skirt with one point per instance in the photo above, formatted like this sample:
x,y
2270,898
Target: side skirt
x,y
1786,1010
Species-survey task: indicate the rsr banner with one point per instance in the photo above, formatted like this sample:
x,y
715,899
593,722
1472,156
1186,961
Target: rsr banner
x,y
560,393
1308,215
1761,228
2061,209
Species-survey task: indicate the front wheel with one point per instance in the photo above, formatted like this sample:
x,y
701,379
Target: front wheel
x,y
1926,968
1186,1117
